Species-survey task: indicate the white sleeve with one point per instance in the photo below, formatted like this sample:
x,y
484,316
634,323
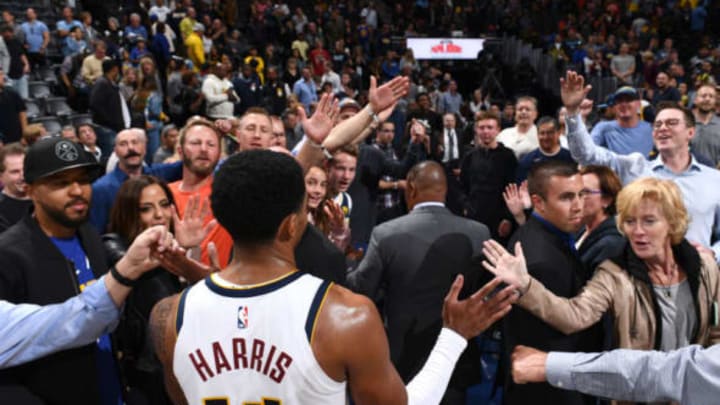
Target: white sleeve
x,y
428,386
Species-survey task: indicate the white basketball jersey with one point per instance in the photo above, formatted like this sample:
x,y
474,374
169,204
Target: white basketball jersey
x,y
251,346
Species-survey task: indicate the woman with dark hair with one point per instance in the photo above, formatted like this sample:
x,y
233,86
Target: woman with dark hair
x,y
323,212
143,202
600,240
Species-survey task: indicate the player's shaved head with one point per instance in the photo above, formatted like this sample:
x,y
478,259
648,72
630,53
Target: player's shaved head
x,y
426,182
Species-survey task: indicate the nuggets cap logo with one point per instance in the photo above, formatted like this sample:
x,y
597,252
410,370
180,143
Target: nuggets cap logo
x,y
243,318
66,151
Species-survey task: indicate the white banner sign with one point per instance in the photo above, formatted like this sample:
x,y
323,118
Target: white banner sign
x,y
445,48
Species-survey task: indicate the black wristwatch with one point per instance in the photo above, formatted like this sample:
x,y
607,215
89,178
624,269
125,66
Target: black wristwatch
x,y
122,279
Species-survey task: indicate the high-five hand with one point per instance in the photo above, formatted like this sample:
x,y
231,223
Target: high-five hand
x,y
472,316
511,269
319,125
388,94
573,91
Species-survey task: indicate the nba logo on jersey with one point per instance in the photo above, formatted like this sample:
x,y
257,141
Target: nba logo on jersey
x,y
243,317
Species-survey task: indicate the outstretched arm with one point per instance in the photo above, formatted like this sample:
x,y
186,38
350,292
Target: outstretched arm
x,y
688,375
573,91
351,331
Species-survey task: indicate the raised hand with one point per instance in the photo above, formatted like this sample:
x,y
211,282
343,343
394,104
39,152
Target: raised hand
x,y
509,268
336,216
190,269
528,365
190,231
573,91
319,125
511,195
388,94
525,195
474,315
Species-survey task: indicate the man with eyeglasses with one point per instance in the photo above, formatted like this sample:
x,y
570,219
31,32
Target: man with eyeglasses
x,y
673,129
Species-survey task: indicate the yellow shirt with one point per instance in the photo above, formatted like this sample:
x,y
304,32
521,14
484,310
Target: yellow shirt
x,y
186,26
195,50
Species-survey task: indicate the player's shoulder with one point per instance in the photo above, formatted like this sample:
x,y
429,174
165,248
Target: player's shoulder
x,y
348,309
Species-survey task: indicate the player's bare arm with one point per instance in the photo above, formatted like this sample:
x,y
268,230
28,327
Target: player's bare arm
x,y
163,334
350,342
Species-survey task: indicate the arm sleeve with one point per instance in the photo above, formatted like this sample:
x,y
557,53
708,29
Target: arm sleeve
x,y
429,385
31,331
690,375
570,315
584,151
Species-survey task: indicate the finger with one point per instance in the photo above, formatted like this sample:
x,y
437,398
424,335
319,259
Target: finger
x,y
486,289
373,83
209,227
175,215
455,288
204,208
519,249
213,255
301,113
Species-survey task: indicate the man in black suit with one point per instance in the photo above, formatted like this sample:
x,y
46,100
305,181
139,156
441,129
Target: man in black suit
x,y
110,112
413,260
547,240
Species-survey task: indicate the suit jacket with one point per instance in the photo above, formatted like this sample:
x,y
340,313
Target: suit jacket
x,y
552,262
415,259
105,105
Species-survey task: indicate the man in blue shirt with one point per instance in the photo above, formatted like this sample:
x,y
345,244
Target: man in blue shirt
x,y
130,148
29,332
673,129
549,149
135,29
37,38
66,25
48,257
305,89
627,133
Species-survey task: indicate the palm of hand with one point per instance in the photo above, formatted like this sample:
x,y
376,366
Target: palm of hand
x,y
381,98
317,127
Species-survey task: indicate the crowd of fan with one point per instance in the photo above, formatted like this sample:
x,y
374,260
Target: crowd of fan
x,y
333,86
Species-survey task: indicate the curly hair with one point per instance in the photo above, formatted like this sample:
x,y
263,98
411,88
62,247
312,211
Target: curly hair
x,y
254,191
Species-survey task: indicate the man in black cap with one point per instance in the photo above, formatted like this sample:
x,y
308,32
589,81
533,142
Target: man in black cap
x,y
109,110
49,256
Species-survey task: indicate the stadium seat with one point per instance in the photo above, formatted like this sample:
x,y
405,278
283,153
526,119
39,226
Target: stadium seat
x,y
58,106
78,119
52,125
39,89
34,108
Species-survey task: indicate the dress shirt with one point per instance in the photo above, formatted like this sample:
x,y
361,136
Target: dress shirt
x,y
702,200
28,331
450,145
428,204
690,375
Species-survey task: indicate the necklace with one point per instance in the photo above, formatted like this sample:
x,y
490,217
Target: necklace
x,y
665,286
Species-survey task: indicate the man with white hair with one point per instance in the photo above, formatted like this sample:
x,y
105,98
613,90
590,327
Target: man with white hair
x,y
130,148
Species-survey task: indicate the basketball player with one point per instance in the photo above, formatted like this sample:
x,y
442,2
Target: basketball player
x,y
261,332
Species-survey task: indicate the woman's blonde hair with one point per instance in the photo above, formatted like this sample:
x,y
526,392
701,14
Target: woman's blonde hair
x,y
663,192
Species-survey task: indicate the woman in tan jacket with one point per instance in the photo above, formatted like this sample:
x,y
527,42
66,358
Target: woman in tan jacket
x,y
662,292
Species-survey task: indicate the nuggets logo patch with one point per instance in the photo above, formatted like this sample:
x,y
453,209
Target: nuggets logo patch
x,y
242,318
